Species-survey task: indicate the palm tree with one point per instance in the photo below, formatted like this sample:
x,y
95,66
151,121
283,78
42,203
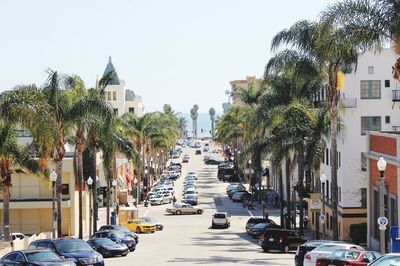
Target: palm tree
x,y
321,44
182,125
12,156
211,112
369,23
194,114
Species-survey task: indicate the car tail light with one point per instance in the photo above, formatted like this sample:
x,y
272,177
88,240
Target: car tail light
x,y
318,263
307,257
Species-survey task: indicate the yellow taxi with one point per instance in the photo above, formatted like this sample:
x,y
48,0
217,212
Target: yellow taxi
x,y
140,226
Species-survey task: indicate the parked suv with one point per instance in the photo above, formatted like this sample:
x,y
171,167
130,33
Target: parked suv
x,y
281,239
221,219
76,250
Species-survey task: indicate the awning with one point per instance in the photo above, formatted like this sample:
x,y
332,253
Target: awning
x,y
129,177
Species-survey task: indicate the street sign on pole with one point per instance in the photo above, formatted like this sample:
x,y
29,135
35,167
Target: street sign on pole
x,y
322,217
383,221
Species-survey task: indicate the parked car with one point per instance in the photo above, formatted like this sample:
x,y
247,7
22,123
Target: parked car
x,y
197,152
14,236
160,199
191,199
140,226
281,239
325,250
76,250
233,186
212,162
257,230
118,237
238,189
221,219
240,195
121,228
193,174
108,248
255,220
349,257
387,260
34,258
185,160
307,247
159,226
184,208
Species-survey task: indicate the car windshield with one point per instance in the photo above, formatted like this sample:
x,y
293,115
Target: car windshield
x,y
42,256
190,192
191,197
345,254
69,246
102,241
117,234
219,215
149,219
329,247
260,226
387,260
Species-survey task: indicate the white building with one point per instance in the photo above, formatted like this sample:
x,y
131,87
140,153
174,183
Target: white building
x,y
122,99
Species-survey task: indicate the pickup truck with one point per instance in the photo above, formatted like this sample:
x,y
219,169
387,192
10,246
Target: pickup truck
x,y
221,219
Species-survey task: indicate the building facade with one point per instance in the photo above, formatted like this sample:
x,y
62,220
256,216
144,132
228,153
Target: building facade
x,y
242,84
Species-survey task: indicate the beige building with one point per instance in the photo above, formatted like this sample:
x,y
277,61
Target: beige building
x,y
244,84
122,99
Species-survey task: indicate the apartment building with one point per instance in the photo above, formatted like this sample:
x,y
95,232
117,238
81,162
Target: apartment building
x,y
242,84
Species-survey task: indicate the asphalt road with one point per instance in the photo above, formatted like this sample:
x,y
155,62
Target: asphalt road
x,y
189,239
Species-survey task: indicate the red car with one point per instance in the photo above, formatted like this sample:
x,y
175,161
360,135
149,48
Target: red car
x,y
349,257
185,160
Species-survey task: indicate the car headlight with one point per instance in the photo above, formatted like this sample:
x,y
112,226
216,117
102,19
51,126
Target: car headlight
x,y
72,259
99,258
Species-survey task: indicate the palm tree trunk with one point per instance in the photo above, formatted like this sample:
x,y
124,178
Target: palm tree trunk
x,y
288,203
300,186
109,178
59,168
279,172
334,183
6,209
80,182
94,188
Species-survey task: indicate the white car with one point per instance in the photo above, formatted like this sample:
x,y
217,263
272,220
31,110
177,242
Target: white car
x,y
160,199
391,259
192,174
221,219
325,250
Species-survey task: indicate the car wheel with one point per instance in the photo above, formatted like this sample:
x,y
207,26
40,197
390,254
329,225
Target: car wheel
x,y
199,212
178,212
138,230
285,249
265,249
213,225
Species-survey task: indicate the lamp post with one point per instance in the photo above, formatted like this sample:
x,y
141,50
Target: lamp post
x,y
114,185
249,177
53,178
323,182
382,167
90,183
135,181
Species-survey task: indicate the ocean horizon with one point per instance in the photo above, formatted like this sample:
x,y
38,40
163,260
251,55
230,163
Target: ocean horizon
x,y
203,123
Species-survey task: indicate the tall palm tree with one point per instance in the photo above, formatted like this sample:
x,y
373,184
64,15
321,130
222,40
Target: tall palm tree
x,y
182,125
369,23
11,157
194,115
211,112
322,45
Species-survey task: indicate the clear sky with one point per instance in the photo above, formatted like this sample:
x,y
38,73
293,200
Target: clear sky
x,y
181,52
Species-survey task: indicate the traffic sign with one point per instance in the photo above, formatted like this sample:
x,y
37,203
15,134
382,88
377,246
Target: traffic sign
x,y
383,221
322,217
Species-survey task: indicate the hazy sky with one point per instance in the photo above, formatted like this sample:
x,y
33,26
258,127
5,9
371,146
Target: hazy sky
x,y
181,52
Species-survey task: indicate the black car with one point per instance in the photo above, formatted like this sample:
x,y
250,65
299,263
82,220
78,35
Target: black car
x,y
191,199
307,247
256,220
118,237
121,228
257,230
212,162
107,247
197,152
239,196
76,250
281,239
238,189
34,258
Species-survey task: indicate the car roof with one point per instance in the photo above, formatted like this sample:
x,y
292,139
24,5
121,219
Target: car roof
x,y
221,213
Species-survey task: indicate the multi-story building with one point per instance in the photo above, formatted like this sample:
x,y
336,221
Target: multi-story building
x,y
243,84
367,104
122,99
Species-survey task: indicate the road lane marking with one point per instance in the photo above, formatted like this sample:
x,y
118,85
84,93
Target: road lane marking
x,y
251,214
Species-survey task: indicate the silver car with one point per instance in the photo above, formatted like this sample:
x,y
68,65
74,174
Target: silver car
x,y
184,208
160,199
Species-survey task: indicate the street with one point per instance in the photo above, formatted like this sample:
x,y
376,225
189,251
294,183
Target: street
x,y
189,239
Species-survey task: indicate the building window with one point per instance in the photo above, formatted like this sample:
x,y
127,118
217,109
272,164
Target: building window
x,y
131,110
340,194
370,123
339,159
65,189
393,211
375,213
330,222
387,119
327,189
327,156
363,162
327,220
115,111
370,70
323,158
109,95
387,83
313,218
114,95
370,89
363,192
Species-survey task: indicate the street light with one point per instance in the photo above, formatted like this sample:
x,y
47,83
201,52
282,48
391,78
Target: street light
x,y
53,179
323,179
135,181
89,181
382,167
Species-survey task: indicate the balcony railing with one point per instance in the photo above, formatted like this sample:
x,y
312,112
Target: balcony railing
x,y
350,103
396,128
396,95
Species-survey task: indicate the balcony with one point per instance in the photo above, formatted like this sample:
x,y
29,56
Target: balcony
x,y
350,103
395,95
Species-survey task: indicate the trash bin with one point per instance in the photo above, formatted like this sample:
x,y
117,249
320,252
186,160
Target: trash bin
x,y
113,218
394,235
